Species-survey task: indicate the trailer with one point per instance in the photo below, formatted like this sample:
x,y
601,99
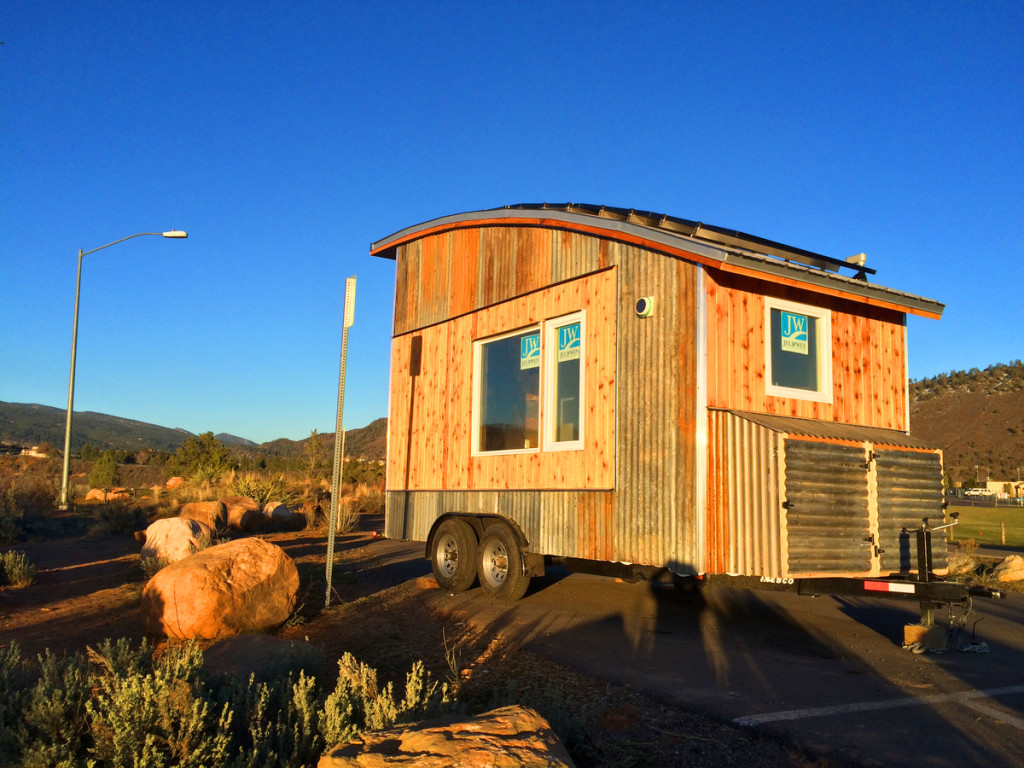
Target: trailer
x,y
626,391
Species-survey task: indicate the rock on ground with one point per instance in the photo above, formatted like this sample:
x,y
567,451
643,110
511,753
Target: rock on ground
x,y
281,518
212,513
510,737
243,513
102,494
247,585
1011,569
174,538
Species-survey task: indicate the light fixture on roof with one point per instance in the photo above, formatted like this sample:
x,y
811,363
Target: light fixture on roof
x,y
858,260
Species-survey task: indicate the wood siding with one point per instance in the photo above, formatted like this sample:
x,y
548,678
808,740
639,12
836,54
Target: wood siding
x,y
431,409
868,355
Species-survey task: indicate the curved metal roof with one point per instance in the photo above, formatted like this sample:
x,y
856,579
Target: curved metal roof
x,y
716,246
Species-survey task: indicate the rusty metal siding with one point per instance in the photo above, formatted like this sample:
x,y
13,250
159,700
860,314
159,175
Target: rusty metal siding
x,y
909,490
826,507
752,453
552,521
655,511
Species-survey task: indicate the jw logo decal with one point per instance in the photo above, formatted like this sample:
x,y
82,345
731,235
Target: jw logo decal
x,y
569,342
794,333
529,352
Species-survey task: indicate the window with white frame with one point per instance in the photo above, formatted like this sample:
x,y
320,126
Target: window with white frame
x,y
509,373
563,405
798,359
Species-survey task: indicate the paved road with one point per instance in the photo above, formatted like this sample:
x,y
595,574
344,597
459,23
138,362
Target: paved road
x,y
827,673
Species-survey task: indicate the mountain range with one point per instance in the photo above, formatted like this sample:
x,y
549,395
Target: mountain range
x,y
28,424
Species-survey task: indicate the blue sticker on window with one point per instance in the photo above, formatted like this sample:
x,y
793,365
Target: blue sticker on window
x,y
794,333
569,342
529,351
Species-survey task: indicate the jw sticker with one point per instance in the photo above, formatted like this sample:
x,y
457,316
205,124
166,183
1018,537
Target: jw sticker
x,y
529,352
569,342
794,333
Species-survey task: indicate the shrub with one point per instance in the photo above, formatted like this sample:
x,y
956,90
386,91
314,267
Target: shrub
x,y
10,516
128,707
16,570
104,472
261,489
116,518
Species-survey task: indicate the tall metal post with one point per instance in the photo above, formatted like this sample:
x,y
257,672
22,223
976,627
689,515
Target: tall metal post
x,y
339,433
71,393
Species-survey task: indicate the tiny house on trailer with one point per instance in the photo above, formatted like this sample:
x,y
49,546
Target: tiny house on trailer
x,y
596,385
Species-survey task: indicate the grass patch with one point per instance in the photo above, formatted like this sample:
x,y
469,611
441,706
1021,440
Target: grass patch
x,y
986,526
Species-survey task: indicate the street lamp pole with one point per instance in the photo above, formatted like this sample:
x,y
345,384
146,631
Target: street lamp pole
x,y
175,234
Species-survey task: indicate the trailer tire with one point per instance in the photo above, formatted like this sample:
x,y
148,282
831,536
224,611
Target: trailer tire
x,y
500,568
454,555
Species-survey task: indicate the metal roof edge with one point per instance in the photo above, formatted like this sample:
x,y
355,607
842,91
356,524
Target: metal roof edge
x,y
613,220
831,430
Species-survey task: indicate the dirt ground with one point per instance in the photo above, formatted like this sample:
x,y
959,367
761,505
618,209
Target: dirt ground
x,y
89,589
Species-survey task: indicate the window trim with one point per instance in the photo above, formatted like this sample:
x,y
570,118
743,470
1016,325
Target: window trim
x,y
549,350
478,345
823,315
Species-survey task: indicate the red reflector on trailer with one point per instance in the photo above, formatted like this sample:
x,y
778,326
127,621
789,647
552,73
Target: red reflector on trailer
x,y
888,586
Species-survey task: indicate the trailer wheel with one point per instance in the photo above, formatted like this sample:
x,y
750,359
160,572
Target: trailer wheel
x,y
501,564
454,555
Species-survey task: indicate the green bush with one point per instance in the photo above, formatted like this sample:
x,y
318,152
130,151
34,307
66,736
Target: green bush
x,y
104,472
261,489
16,570
125,706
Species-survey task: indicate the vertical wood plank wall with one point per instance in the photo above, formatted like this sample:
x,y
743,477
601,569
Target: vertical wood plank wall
x,y
868,355
430,420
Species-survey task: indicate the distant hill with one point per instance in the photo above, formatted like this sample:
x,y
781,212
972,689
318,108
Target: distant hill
x,y
977,417
369,442
29,424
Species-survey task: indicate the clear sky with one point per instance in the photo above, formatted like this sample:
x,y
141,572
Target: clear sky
x,y
285,137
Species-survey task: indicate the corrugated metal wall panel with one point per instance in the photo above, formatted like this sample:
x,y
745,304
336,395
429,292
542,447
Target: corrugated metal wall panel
x,y
827,508
655,414
566,524
909,489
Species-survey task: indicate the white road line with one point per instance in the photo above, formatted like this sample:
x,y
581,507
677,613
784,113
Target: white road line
x,y
996,714
871,706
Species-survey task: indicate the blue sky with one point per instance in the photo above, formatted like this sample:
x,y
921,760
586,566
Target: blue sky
x,y
286,137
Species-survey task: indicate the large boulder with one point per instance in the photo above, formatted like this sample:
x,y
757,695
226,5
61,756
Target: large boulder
x,y
1011,569
512,737
211,513
174,482
104,494
174,538
280,518
247,585
243,513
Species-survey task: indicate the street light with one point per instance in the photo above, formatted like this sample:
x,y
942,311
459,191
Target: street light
x,y
175,234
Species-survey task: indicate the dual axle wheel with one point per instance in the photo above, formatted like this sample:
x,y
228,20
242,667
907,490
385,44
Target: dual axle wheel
x,y
458,559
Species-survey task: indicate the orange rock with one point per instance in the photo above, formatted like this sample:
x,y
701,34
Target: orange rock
x,y
174,538
512,737
211,513
247,585
243,513
174,482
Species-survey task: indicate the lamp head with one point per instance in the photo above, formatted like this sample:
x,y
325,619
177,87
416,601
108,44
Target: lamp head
x,y
177,233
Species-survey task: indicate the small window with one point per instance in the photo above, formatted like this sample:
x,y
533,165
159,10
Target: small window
x,y
564,383
799,355
508,394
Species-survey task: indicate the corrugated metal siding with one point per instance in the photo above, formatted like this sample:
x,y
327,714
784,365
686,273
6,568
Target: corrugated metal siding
x,y
827,508
656,516
909,489
567,524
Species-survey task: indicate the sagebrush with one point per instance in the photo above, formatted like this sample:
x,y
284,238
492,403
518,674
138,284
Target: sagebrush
x,y
123,705
16,570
